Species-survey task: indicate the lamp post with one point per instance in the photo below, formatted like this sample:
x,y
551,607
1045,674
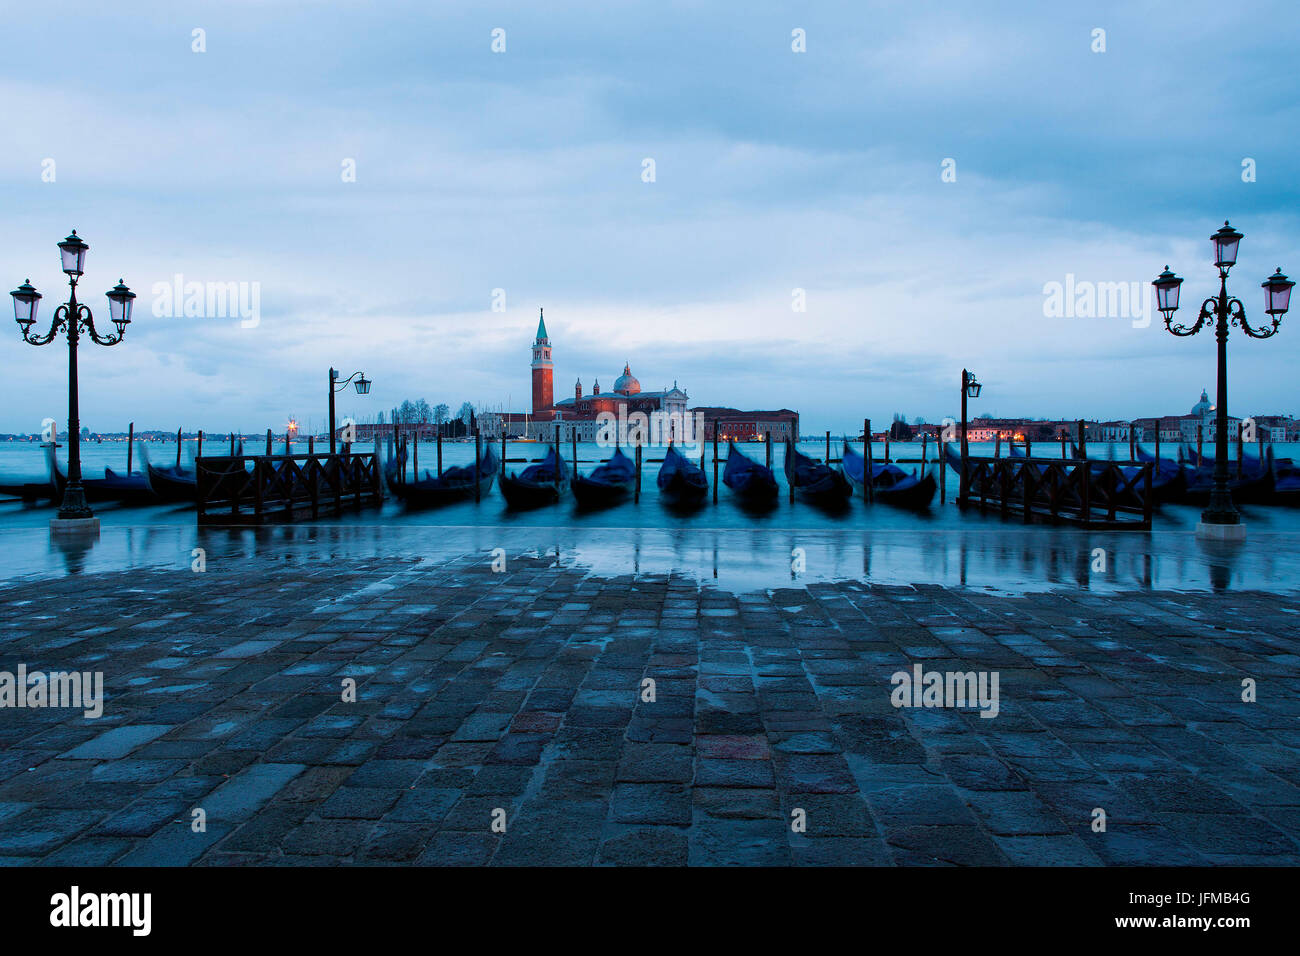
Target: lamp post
x,y
969,388
73,318
1220,520
363,388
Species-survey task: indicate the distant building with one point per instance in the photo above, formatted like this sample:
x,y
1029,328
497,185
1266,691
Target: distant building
x,y
736,425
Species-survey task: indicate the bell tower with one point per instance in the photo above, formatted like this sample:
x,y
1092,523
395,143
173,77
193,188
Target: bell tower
x,y
543,369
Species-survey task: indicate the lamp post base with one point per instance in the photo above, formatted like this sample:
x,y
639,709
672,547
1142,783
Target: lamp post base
x,y
81,527
1220,532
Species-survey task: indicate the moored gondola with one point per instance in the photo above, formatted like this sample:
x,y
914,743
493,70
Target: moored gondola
x,y
454,484
680,480
815,481
132,489
606,484
537,485
889,483
752,483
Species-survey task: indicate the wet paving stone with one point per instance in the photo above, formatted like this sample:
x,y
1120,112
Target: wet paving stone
x,y
771,738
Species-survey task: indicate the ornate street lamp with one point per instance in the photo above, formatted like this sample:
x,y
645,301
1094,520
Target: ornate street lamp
x,y
363,388
73,318
970,387
1221,520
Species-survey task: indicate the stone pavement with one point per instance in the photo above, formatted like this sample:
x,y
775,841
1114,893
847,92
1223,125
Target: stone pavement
x,y
522,692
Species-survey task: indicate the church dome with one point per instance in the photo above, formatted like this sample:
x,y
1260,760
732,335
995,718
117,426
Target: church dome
x,y
626,384
1203,407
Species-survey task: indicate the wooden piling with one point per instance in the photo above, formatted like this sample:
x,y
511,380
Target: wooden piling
x,y
636,492
1157,444
573,441
415,457
311,444
232,444
268,447
178,447
715,461
198,450
440,451
886,447
1132,444
868,489
924,439
942,452
1083,439
1063,454
478,447
1200,434
130,444
997,445
828,447
767,452
503,448
1239,449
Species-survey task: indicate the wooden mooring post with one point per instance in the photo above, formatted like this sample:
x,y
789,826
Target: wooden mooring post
x,y
1239,449
198,449
268,445
715,461
478,448
178,447
232,444
1200,434
1157,443
1083,439
868,490
573,441
130,444
828,446
636,490
440,451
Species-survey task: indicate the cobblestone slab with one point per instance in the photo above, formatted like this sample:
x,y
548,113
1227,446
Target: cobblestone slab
x,y
390,711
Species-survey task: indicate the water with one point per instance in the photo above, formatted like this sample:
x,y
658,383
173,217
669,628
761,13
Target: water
x,y
720,543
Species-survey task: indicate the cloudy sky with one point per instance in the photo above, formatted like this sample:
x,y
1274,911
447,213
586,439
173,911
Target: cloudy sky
x,y
920,174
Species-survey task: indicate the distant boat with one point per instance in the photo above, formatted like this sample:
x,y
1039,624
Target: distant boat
x,y
889,483
454,484
814,480
606,484
751,482
537,485
680,480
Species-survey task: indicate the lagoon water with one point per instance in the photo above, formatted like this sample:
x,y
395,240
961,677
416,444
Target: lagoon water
x,y
724,544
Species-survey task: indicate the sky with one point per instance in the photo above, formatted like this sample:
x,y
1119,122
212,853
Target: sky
x,y
837,229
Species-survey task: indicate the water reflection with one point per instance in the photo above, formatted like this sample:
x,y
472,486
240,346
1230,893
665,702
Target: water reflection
x,y
1013,559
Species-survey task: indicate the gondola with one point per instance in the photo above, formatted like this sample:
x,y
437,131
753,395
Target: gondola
x,y
454,484
132,489
606,484
752,483
889,483
681,481
170,483
27,488
537,485
1254,485
1286,482
814,480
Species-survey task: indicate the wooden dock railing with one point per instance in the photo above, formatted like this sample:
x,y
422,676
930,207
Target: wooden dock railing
x,y
1094,494
250,489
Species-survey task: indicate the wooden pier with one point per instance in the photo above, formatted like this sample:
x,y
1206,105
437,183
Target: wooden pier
x,y
1091,494
252,489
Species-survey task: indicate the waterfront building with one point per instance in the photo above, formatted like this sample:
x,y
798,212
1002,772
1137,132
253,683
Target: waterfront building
x,y
733,424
